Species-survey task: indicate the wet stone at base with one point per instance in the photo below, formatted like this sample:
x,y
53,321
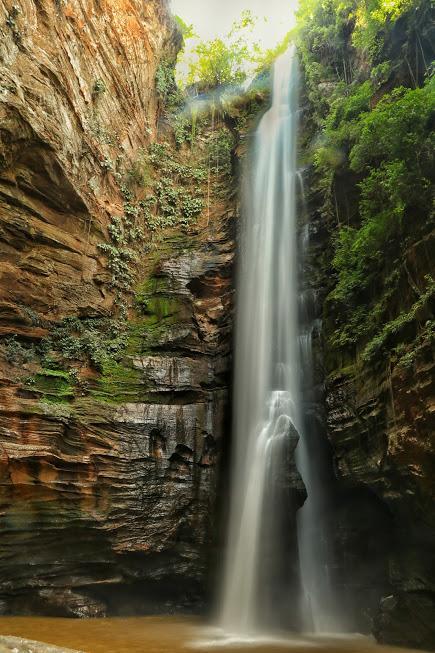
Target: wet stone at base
x,y
20,645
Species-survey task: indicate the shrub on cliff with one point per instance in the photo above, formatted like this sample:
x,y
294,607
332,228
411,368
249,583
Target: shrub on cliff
x,y
370,111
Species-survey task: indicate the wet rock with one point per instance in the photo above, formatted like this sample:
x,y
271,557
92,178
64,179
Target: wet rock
x,y
20,645
407,618
293,476
71,604
381,435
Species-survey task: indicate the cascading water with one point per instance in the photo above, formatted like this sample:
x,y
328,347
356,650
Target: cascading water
x,y
319,605
266,360
268,407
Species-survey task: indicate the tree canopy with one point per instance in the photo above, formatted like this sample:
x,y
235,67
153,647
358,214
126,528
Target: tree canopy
x,y
227,60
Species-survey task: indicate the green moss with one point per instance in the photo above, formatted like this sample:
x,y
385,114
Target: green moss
x,y
54,386
54,374
51,407
119,382
344,371
147,288
154,302
152,330
160,308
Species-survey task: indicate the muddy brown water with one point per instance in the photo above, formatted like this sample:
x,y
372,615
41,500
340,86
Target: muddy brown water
x,y
164,635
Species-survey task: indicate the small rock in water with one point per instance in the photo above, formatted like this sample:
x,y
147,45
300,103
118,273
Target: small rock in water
x,y
20,645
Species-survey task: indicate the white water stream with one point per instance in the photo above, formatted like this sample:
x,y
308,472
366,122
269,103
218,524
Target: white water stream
x,y
267,398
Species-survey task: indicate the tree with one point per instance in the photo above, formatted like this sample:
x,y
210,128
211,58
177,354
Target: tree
x,y
217,63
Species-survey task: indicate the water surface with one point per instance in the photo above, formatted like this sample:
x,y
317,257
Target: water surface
x,y
165,635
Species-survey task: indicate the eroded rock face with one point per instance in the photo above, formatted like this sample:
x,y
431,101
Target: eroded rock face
x,y
77,100
381,426
377,424
382,435
107,490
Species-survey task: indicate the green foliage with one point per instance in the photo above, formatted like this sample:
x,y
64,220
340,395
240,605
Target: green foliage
x,y
119,259
99,87
107,344
322,35
220,148
183,128
187,31
126,233
229,60
407,354
397,129
350,102
395,328
349,246
373,18
178,196
341,126
166,86
17,353
164,79
95,340
218,63
384,196
371,107
380,74
264,59
393,148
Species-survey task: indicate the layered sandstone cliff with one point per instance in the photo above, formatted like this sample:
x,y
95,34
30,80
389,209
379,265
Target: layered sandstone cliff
x,y
114,331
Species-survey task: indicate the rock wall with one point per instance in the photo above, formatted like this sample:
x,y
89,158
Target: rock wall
x,y
113,373
367,101
381,427
379,423
355,524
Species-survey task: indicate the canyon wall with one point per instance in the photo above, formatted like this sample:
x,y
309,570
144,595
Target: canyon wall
x,y
115,317
378,426
367,124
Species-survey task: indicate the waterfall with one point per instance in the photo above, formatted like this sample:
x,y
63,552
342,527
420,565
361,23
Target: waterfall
x,y
267,394
319,606
266,354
